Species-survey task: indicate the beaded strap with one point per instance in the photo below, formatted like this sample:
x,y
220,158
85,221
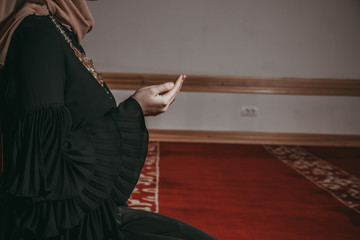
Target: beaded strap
x,y
88,63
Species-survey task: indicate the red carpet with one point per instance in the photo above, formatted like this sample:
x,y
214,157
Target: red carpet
x,y
248,192
255,192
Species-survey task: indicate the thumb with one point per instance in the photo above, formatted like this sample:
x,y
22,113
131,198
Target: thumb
x,y
163,87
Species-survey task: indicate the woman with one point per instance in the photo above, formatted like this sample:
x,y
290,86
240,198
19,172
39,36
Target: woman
x,y
71,156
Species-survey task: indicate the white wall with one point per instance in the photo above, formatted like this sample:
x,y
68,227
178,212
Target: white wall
x,y
277,113
279,38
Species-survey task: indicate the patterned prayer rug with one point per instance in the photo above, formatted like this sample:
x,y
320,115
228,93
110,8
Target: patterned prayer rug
x,y
339,183
146,193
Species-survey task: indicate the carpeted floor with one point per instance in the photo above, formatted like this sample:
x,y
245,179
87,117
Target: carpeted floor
x,y
248,192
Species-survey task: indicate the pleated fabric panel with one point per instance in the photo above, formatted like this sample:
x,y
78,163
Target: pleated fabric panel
x,y
64,183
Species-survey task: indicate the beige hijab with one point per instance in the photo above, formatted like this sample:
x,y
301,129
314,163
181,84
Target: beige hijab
x,y
74,14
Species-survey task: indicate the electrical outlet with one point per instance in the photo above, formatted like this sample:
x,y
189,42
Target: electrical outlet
x,y
249,111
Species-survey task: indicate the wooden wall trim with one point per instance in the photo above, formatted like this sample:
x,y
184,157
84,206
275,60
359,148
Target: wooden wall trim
x,y
254,138
199,83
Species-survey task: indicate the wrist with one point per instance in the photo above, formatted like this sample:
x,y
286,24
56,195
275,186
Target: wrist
x,y
137,102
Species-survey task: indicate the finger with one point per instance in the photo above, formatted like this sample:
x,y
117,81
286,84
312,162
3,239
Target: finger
x,y
175,90
170,96
177,87
163,87
179,81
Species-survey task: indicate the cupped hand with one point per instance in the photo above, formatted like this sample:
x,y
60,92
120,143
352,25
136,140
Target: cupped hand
x,y
157,98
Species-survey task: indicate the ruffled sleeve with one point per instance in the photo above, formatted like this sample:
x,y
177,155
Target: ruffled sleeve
x,y
62,175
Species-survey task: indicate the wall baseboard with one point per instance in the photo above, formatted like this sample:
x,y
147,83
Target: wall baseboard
x,y
301,139
202,83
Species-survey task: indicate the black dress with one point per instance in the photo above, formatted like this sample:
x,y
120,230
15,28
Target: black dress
x,y
71,156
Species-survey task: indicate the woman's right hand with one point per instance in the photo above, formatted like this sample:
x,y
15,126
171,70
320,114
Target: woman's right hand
x,y
157,98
